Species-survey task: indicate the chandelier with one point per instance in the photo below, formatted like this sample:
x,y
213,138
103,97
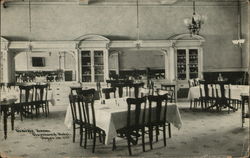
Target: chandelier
x,y
194,23
30,29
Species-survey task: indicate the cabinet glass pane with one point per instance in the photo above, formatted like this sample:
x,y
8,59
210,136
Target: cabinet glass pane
x,y
86,66
98,66
193,63
181,64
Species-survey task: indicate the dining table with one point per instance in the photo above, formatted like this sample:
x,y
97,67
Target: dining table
x,y
112,115
7,107
10,102
245,107
223,93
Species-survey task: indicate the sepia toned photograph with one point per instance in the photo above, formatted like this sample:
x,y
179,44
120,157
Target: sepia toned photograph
x,y
124,78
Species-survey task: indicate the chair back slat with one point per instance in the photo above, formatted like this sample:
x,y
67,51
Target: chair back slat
x,y
191,83
28,92
86,108
171,89
73,100
108,91
136,87
86,92
41,92
161,105
73,90
137,103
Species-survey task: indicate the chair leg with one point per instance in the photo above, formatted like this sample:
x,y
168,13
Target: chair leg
x,y
74,132
169,130
114,145
100,136
21,112
47,107
164,135
157,133
191,101
103,138
81,134
143,140
85,139
151,137
129,145
94,141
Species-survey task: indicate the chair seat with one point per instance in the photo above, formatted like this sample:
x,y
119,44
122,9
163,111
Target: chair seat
x,y
161,123
130,129
246,115
92,127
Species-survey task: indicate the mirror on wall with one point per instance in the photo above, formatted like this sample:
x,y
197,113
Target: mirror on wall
x,y
137,63
47,66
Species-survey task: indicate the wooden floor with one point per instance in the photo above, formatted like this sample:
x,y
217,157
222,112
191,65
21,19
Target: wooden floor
x,y
203,134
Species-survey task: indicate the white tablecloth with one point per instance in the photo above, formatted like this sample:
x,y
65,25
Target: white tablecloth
x,y
14,93
113,115
236,91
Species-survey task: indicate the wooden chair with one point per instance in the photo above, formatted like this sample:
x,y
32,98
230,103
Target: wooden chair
x,y
136,87
244,114
110,83
11,85
135,127
26,95
128,84
171,89
41,98
73,90
157,117
88,121
151,87
196,81
120,87
77,123
232,102
2,85
86,92
204,98
191,83
108,91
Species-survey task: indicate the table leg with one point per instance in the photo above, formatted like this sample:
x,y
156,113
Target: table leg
x,y
242,112
12,117
120,89
136,89
5,122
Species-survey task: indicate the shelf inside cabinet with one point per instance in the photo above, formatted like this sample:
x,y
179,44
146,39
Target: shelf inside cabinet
x,y
99,65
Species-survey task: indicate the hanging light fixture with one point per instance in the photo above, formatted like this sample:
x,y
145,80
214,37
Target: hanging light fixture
x,y
194,23
240,41
29,45
138,42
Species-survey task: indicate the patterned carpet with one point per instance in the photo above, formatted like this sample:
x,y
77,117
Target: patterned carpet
x,y
204,134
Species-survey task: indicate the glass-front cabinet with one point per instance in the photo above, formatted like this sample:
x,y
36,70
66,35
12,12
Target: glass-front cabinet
x,y
92,62
193,63
187,63
188,66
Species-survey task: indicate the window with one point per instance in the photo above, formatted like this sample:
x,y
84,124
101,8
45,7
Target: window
x,y
38,61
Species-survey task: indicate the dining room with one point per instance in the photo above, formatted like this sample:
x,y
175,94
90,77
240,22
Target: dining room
x,y
113,78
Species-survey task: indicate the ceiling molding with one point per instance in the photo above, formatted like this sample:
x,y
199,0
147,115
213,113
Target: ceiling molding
x,y
125,2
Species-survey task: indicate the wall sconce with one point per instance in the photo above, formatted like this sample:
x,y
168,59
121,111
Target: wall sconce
x,y
238,42
138,44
